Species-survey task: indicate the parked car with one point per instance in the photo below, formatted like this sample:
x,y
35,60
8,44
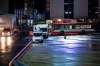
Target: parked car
x,y
37,37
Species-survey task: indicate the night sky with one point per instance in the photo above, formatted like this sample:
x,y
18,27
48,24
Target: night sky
x,y
39,5
15,4
10,5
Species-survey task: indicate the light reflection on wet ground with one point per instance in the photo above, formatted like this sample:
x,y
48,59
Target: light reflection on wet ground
x,y
9,47
5,44
57,51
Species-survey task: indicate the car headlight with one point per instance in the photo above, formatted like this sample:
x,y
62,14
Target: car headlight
x,y
8,33
2,33
41,38
33,38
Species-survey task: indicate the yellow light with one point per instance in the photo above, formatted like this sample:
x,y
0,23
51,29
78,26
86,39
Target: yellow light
x,y
6,44
59,20
73,21
3,45
8,33
2,33
9,41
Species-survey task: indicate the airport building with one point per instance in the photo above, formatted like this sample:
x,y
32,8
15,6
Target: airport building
x,y
69,9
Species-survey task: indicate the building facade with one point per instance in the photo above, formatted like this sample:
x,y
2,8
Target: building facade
x,y
99,9
93,6
69,9
47,9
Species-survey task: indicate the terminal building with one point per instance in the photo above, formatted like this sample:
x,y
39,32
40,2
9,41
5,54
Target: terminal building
x,y
69,9
73,16
65,9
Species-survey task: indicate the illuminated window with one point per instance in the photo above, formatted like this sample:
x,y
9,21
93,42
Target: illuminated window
x,y
68,8
66,12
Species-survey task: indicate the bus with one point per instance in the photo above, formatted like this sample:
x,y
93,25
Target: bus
x,y
70,28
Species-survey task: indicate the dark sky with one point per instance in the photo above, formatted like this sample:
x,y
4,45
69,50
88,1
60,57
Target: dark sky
x,y
15,4
10,5
40,5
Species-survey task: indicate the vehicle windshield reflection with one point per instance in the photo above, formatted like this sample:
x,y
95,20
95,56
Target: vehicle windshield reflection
x,y
37,34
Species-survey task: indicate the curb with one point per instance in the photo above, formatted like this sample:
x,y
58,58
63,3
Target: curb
x,y
16,57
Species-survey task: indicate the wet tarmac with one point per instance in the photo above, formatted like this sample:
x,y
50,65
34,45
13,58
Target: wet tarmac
x,y
59,51
9,47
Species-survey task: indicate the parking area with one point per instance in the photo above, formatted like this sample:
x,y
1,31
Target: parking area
x,y
57,51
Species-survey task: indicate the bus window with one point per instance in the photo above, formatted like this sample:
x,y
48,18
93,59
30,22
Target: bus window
x,y
57,27
67,26
62,27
